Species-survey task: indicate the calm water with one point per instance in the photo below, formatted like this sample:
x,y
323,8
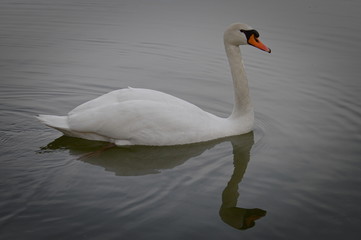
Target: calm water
x,y
298,175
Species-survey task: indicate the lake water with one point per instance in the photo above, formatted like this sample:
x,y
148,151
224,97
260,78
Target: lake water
x,y
296,176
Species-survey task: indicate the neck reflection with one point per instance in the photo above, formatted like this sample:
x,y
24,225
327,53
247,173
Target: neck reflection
x,y
239,218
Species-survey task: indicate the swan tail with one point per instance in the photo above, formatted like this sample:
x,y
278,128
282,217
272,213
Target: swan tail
x,y
61,124
58,122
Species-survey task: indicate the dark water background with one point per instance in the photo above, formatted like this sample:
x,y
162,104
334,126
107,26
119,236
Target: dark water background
x,y
298,173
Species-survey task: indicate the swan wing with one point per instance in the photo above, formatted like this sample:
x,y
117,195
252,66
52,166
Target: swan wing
x,y
144,122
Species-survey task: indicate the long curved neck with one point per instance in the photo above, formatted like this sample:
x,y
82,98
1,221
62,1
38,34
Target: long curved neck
x,y
242,104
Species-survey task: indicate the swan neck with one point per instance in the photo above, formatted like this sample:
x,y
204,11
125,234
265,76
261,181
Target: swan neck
x,y
242,105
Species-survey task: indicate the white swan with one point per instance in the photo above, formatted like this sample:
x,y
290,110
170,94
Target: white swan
x,y
135,116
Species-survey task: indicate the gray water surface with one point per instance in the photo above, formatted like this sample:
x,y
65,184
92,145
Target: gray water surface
x,y
296,176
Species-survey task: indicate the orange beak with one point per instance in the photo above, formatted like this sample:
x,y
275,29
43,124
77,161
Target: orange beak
x,y
258,44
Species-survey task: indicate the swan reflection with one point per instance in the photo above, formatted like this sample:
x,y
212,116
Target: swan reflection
x,y
143,160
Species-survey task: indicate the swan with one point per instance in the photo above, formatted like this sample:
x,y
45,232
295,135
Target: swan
x,y
136,116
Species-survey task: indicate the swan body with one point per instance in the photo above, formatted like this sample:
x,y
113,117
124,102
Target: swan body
x,y
135,116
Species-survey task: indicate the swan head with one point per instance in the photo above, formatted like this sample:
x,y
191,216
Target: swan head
x,y
241,34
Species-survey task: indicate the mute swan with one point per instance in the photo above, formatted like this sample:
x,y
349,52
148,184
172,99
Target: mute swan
x,y
135,116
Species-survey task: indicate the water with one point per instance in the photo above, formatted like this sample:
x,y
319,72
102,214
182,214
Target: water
x,y
297,176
